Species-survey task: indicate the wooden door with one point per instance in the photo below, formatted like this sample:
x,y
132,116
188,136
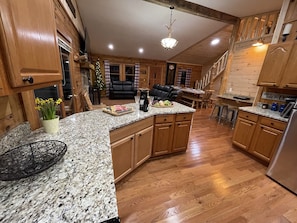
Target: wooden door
x,y
143,145
28,36
122,157
181,136
274,64
265,142
289,79
243,133
155,76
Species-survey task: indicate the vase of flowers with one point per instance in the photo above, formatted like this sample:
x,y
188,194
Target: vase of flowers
x,y
48,108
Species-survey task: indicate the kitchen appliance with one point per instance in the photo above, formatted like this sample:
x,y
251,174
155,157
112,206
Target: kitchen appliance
x,y
288,110
143,102
283,165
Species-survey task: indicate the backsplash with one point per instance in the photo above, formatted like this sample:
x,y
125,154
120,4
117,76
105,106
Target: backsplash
x,y
276,96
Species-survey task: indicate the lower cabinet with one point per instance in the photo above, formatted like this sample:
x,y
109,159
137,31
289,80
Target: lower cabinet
x,y
171,133
258,135
131,146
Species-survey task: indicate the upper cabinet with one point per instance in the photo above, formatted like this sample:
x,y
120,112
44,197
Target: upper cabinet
x,y
28,38
289,79
274,64
279,67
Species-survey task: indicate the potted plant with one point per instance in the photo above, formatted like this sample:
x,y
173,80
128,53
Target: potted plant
x,y
48,108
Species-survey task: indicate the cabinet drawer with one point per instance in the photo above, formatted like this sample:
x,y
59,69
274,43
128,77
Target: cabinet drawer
x,y
248,116
164,118
183,117
273,123
122,132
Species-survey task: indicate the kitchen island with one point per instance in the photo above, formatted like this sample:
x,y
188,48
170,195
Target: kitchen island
x,y
80,187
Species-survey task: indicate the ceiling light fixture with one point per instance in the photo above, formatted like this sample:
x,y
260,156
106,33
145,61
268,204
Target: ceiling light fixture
x,y
259,42
140,50
110,46
169,42
215,41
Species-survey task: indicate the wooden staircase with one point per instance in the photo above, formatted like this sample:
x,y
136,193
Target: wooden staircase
x,y
216,69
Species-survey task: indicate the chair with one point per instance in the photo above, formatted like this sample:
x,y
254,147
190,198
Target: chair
x,y
205,100
88,104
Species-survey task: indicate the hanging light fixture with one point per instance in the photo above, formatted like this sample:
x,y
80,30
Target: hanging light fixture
x,y
169,42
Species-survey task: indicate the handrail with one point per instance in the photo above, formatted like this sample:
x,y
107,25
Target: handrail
x,y
214,71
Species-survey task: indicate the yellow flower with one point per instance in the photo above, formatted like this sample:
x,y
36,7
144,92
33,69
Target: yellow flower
x,y
47,107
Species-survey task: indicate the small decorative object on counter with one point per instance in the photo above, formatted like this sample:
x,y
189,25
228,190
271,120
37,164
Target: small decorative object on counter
x,y
274,106
48,109
264,106
281,107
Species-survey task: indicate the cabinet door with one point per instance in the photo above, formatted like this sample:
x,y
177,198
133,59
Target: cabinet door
x,y
243,133
265,142
274,64
289,79
163,134
143,145
122,157
181,136
28,37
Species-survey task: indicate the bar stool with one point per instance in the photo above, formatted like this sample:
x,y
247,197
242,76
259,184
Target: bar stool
x,y
233,112
224,113
218,110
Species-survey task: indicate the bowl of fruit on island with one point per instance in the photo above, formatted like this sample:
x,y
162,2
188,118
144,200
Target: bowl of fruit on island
x,y
162,104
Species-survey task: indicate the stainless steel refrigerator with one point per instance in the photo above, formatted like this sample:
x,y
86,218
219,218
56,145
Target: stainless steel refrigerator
x,y
283,166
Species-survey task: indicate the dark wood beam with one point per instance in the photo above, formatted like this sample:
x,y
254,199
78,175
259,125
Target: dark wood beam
x,y
198,10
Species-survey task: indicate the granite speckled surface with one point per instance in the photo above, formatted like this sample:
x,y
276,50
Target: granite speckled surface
x,y
264,112
80,187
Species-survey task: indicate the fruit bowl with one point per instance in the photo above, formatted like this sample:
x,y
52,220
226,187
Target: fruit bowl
x,y
162,104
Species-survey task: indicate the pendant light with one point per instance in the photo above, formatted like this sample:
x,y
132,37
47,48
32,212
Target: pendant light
x,y
169,42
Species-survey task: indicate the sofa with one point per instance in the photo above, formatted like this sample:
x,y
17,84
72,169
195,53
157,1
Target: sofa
x,y
164,92
122,90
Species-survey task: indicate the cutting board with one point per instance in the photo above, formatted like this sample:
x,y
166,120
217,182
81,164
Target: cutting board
x,y
109,111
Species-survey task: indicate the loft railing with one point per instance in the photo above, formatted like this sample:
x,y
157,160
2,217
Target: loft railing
x,y
216,69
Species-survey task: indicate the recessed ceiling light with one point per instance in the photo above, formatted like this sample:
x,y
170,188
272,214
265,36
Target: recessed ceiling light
x,y
140,50
215,41
110,46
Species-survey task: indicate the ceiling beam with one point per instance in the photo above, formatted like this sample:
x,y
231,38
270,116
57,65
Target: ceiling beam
x,y
198,10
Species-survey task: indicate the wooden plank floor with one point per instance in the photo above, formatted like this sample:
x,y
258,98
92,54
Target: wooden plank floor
x,y
211,182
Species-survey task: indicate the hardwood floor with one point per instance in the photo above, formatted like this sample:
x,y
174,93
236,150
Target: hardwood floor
x,y
211,182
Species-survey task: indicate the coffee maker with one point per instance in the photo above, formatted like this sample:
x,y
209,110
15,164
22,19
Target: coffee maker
x,y
143,101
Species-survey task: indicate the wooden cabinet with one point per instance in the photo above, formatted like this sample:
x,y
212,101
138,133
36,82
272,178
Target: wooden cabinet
x,y
181,132
171,133
289,79
29,42
274,64
163,134
244,129
122,157
279,67
143,145
258,135
267,137
131,146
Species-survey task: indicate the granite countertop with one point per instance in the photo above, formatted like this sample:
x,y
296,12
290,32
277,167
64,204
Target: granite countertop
x,y
231,97
264,112
80,187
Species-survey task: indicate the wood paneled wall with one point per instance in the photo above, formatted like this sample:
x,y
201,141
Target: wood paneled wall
x,y
148,66
245,69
